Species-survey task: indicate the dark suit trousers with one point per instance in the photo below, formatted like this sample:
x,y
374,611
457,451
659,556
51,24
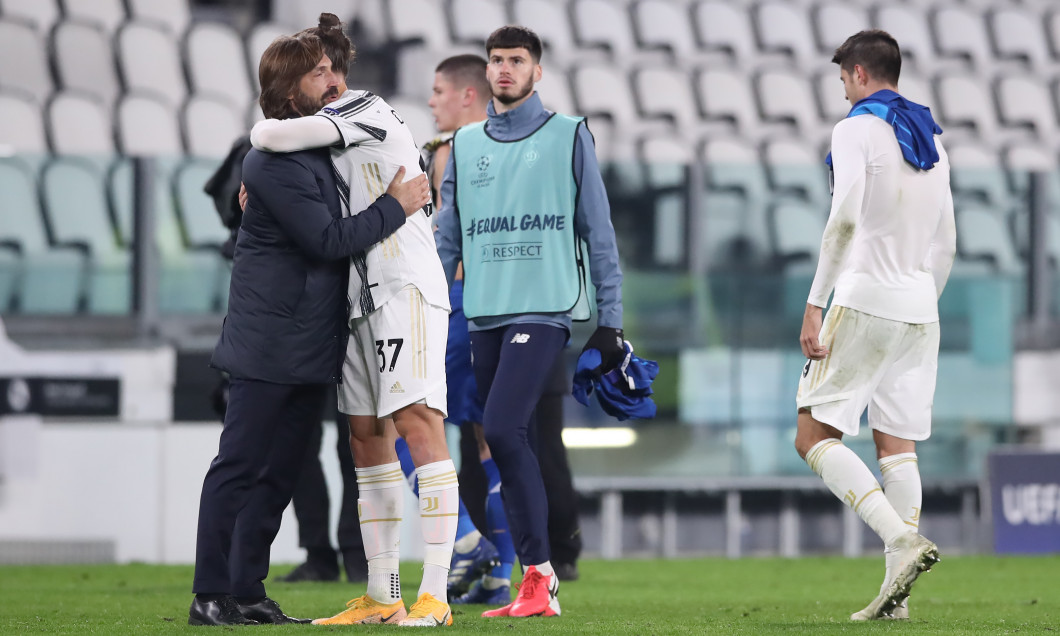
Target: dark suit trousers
x,y
249,483
312,506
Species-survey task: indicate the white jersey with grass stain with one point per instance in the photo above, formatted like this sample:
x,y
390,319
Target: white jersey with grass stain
x,y
377,143
888,247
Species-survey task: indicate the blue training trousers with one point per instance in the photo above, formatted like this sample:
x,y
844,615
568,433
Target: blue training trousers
x,y
512,366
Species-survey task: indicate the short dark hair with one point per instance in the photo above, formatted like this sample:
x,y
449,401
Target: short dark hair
x,y
337,45
466,70
282,66
515,37
873,50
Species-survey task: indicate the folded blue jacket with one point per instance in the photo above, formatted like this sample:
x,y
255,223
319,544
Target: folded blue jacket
x,y
914,127
624,392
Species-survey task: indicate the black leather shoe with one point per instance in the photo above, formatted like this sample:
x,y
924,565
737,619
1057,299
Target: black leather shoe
x,y
311,571
356,566
566,571
267,612
222,611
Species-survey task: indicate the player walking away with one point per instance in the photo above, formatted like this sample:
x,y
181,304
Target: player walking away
x,y
393,378
887,251
523,200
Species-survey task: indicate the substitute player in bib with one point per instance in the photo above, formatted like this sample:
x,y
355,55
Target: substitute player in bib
x,y
393,379
524,209
887,251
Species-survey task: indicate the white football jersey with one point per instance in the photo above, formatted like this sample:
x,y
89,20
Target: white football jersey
x,y
377,143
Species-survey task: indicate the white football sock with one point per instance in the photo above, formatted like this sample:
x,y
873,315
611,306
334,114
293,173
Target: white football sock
x,y
850,480
439,509
901,484
381,501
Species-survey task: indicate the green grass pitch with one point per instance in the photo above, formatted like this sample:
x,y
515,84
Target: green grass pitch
x,y
963,595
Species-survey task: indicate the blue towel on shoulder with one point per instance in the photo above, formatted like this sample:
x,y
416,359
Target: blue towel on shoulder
x,y
624,392
913,126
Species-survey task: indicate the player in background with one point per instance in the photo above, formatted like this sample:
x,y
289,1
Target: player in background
x,y
887,251
459,97
393,379
524,281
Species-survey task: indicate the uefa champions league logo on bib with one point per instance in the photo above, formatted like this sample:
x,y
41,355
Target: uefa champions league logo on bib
x,y
484,163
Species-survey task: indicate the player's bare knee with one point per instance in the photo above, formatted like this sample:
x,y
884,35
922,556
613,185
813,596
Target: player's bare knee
x,y
810,432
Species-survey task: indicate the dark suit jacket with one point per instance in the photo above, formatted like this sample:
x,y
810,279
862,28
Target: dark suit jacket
x,y
288,308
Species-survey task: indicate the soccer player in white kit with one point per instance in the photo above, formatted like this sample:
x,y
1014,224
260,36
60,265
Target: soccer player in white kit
x,y
393,379
887,251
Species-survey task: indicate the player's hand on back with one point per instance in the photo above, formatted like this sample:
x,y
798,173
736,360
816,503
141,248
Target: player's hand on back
x,y
811,332
242,197
412,194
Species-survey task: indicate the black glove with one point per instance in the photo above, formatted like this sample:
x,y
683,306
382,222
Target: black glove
x,y
610,343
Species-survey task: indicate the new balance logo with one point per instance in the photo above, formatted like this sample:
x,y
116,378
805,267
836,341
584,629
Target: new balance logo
x,y
521,338
396,388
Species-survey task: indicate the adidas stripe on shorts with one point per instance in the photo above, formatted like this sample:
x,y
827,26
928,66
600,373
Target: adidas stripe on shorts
x,y
885,365
395,357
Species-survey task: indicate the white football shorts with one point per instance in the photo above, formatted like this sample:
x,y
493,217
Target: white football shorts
x,y
885,365
396,357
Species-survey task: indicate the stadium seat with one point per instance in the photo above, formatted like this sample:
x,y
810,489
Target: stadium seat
x,y
107,14
148,126
1022,158
76,205
1026,109
796,228
78,124
734,229
727,102
549,19
976,175
960,34
1017,35
665,160
21,127
210,126
259,39
832,104
606,25
49,277
472,21
724,27
965,108
84,60
149,61
785,29
915,88
416,64
23,61
188,279
418,21
174,15
667,26
604,90
983,235
204,46
203,234
786,98
296,15
834,22
417,116
794,169
908,23
666,93
40,14
554,90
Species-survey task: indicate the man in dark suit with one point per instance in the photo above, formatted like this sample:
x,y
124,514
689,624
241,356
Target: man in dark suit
x,y
284,338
